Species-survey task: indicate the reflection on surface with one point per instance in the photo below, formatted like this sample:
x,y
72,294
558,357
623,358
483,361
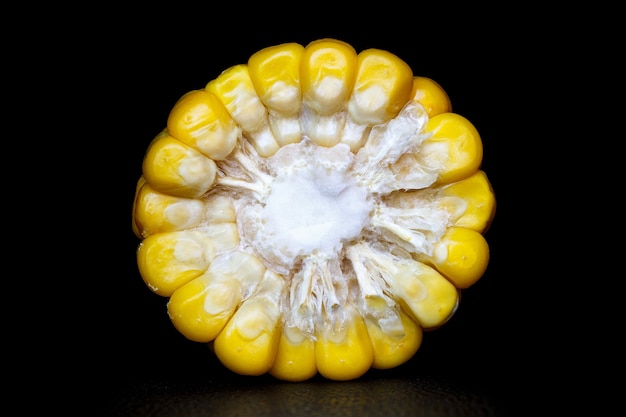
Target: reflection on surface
x,y
318,397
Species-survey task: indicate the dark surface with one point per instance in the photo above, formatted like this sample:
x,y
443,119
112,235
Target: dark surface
x,y
489,360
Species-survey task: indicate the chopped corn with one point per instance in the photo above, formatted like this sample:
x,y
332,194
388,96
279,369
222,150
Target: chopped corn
x,y
313,211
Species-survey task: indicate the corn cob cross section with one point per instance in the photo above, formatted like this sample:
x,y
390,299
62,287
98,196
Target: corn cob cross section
x,y
313,211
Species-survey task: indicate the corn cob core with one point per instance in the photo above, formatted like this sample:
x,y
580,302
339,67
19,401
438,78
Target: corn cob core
x,y
313,211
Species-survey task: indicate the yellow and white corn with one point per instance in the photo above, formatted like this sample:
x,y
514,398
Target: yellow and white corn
x,y
313,211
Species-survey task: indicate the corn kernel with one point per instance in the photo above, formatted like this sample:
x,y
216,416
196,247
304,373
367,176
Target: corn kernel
x,y
201,308
275,74
156,212
477,198
455,149
295,356
235,90
431,95
327,75
200,120
344,352
174,168
461,255
429,296
168,260
391,351
382,87
249,341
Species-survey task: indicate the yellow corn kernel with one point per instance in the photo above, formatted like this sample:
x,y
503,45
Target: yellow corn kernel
x,y
391,351
426,293
166,261
275,74
455,148
461,255
248,343
201,308
382,87
135,227
295,356
327,75
235,90
172,167
344,352
473,199
200,120
328,72
431,95
156,212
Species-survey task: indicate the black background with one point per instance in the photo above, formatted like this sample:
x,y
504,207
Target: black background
x,y
497,356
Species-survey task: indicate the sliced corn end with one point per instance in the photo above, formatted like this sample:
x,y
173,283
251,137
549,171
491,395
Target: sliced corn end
x,y
454,149
327,75
174,168
431,95
344,351
200,120
295,356
249,342
275,74
313,211
391,349
462,255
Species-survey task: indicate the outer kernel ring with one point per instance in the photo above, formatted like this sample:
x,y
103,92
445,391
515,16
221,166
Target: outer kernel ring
x,y
314,210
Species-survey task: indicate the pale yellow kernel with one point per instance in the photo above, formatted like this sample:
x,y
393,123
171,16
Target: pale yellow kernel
x,y
454,149
200,120
327,75
275,74
168,260
431,95
345,353
201,308
382,87
172,167
156,212
295,356
248,343
476,197
462,255
392,350
430,297
235,89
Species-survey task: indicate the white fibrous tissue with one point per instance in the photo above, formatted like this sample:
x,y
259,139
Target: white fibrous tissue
x,y
314,205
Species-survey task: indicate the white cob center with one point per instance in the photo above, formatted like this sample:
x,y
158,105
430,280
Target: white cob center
x,y
314,206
